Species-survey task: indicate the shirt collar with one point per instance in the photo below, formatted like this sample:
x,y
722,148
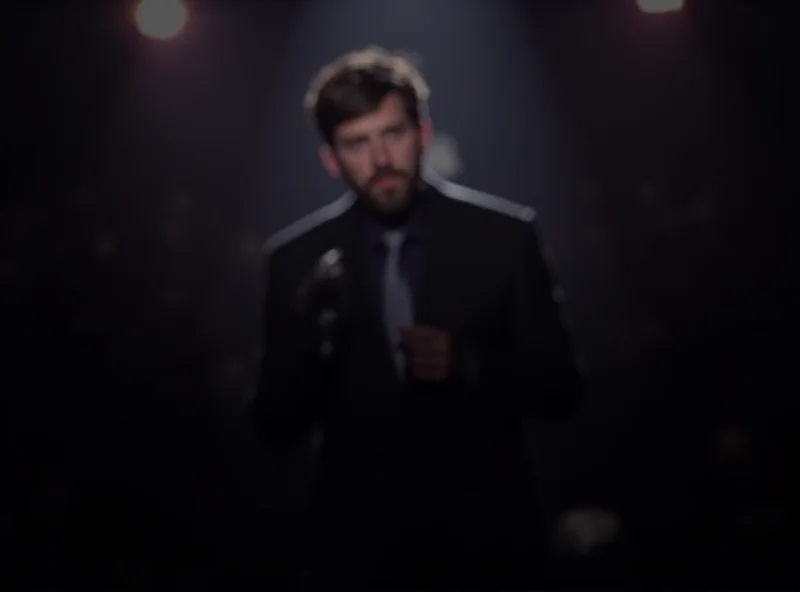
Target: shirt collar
x,y
413,228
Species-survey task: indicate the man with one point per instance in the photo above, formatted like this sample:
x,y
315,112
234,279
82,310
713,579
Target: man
x,y
414,320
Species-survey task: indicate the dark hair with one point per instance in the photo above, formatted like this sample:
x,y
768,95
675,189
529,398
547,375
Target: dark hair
x,y
356,83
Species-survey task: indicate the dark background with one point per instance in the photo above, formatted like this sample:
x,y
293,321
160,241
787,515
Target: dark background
x,y
142,176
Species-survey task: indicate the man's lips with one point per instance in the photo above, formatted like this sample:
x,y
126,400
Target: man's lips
x,y
388,181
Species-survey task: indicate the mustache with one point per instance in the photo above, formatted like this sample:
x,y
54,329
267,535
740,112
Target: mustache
x,y
387,174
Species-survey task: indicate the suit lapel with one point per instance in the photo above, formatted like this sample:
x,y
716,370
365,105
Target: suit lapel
x,y
434,298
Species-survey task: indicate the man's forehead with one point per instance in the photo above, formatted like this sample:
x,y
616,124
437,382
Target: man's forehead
x,y
389,114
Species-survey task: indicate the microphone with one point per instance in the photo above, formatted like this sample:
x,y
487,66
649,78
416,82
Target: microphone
x,y
330,265
320,293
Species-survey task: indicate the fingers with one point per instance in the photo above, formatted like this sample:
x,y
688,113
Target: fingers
x,y
428,352
424,347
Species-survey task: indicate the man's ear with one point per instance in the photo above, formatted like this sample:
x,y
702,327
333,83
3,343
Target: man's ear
x,y
426,133
329,161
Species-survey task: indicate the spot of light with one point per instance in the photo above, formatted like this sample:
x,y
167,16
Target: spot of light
x,y
443,158
583,530
660,6
161,19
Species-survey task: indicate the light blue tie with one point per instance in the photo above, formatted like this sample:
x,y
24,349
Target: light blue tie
x,y
398,304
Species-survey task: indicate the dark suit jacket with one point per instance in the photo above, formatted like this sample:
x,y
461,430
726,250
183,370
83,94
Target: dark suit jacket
x,y
442,463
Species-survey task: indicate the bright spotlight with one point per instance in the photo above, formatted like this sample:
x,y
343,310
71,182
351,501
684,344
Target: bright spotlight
x,y
660,6
161,19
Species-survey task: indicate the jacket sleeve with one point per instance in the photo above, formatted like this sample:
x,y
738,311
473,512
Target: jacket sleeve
x,y
534,372
288,399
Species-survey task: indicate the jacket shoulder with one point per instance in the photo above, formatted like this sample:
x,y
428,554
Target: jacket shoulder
x,y
306,225
486,202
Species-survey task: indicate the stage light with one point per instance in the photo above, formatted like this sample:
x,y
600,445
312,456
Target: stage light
x,y
161,19
660,6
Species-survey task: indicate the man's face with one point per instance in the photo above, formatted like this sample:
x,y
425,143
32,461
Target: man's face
x,y
379,155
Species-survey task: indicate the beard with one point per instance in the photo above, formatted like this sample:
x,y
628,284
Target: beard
x,y
390,194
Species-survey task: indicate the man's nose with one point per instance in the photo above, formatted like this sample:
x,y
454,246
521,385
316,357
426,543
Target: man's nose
x,y
380,155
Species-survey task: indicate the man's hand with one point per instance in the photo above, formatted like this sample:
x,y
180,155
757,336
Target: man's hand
x,y
429,352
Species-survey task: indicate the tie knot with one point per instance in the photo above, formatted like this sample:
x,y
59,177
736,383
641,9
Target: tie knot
x,y
393,239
